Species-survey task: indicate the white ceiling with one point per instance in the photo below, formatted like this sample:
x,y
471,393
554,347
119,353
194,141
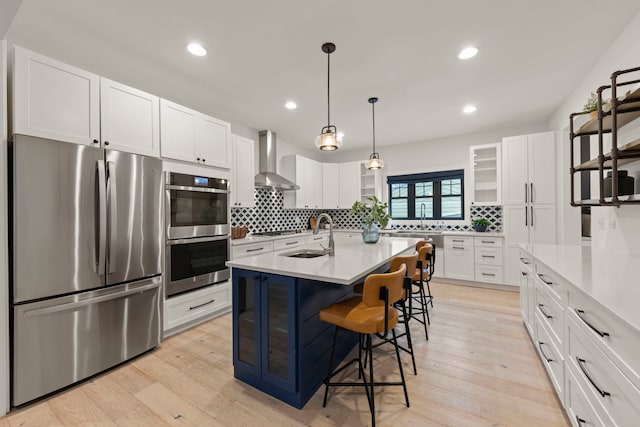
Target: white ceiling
x,y
263,53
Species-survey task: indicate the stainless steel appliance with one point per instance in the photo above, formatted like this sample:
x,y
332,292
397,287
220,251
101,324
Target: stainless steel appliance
x,y
86,236
267,176
198,240
196,206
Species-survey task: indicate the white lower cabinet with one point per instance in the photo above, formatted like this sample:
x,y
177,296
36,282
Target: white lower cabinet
x,y
184,310
459,261
472,258
289,243
591,355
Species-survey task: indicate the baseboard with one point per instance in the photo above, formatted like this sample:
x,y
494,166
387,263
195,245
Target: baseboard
x,y
495,286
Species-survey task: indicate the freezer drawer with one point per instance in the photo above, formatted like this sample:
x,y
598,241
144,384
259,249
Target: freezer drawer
x,y
60,341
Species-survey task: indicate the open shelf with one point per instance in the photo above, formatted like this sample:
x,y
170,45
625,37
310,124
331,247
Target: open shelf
x,y
486,169
625,109
487,159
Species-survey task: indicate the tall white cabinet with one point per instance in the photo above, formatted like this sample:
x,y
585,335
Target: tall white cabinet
x,y
529,194
243,172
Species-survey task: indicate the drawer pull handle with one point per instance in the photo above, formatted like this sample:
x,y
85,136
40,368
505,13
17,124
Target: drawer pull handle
x,y
458,247
202,305
584,371
525,261
488,256
292,243
457,240
548,316
580,315
254,250
542,277
488,241
524,274
540,343
580,421
488,274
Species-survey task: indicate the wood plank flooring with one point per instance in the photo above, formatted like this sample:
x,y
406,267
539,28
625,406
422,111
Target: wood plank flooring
x,y
478,368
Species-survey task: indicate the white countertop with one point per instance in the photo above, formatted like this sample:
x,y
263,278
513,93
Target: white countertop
x,y
474,233
352,260
612,280
257,239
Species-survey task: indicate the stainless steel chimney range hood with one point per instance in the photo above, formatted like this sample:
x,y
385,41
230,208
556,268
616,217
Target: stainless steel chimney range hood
x,y
268,160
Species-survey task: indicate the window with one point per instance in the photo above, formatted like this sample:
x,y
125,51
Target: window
x,y
434,195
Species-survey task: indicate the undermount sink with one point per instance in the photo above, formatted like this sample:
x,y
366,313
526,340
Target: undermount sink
x,y
304,253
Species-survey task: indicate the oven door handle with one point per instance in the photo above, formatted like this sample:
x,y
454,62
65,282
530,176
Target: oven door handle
x,y
196,240
197,189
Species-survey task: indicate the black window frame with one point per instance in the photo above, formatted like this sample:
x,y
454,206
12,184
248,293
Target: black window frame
x,y
436,178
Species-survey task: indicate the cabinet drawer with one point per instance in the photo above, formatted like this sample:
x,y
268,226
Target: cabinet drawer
x,y
549,279
551,314
526,262
488,242
288,243
451,241
488,256
550,355
251,249
489,273
197,304
579,410
614,337
609,391
318,238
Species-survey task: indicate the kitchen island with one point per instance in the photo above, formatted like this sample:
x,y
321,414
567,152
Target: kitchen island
x,y
280,346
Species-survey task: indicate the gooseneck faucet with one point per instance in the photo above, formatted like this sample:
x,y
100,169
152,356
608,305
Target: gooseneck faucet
x,y
331,249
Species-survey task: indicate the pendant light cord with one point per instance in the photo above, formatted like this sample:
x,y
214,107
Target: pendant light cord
x,y
328,91
373,112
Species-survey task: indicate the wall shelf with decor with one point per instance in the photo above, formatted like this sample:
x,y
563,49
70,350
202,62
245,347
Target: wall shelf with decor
x,y
622,109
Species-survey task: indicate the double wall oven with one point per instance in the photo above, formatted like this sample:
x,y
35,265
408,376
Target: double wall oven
x,y
198,239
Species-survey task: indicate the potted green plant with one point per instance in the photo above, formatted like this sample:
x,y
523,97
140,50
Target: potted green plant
x,y
372,215
480,224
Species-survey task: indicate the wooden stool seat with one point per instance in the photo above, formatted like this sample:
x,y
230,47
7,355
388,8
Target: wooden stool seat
x,y
353,315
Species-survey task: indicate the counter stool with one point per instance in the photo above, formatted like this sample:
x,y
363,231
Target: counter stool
x,y
422,276
371,314
432,264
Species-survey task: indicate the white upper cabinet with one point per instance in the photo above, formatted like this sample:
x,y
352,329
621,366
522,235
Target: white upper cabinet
x,y
213,142
307,174
130,119
177,131
191,136
330,186
350,184
485,165
516,177
54,100
243,173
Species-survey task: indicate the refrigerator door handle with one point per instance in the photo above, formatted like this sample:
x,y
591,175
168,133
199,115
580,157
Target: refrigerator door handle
x,y
90,301
526,217
113,215
102,218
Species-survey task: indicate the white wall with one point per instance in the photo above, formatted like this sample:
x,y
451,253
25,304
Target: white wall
x,y
613,229
4,286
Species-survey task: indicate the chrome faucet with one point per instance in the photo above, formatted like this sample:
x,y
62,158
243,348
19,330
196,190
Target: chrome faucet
x,y
331,249
423,208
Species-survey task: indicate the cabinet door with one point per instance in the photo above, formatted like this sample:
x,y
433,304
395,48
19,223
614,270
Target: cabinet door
x,y
246,321
129,119
213,142
314,177
542,220
459,262
349,184
542,168
242,187
54,100
330,186
516,230
278,331
514,170
177,131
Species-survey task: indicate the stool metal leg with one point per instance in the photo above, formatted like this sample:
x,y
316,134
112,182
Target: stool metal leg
x,y
372,404
409,342
404,384
326,381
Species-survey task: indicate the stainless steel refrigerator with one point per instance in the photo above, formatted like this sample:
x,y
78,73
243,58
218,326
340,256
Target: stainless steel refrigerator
x,y
86,235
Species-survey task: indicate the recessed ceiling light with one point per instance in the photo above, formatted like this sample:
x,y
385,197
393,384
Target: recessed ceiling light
x,y
290,105
196,49
468,109
468,52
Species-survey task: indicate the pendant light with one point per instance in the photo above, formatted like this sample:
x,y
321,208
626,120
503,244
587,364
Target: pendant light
x,y
328,140
374,162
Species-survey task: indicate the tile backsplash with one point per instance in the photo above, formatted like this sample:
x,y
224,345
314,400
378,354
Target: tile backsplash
x,y
269,214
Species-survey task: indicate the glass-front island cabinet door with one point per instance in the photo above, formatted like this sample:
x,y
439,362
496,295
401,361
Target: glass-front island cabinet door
x,y
246,321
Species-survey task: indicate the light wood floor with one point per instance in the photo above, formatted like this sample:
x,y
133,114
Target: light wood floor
x,y
478,368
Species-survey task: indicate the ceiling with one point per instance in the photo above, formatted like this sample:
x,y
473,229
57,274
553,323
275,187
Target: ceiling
x,y
263,53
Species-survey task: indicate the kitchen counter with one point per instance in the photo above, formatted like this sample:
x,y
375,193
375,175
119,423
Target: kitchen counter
x,y
352,260
474,233
610,279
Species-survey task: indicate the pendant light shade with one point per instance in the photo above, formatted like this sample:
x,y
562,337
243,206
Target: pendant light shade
x,y
328,140
374,162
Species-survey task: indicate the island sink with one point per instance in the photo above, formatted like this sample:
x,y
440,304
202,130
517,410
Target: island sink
x,y
305,253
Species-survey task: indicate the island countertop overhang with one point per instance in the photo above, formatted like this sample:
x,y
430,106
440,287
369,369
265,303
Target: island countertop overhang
x,y
353,259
